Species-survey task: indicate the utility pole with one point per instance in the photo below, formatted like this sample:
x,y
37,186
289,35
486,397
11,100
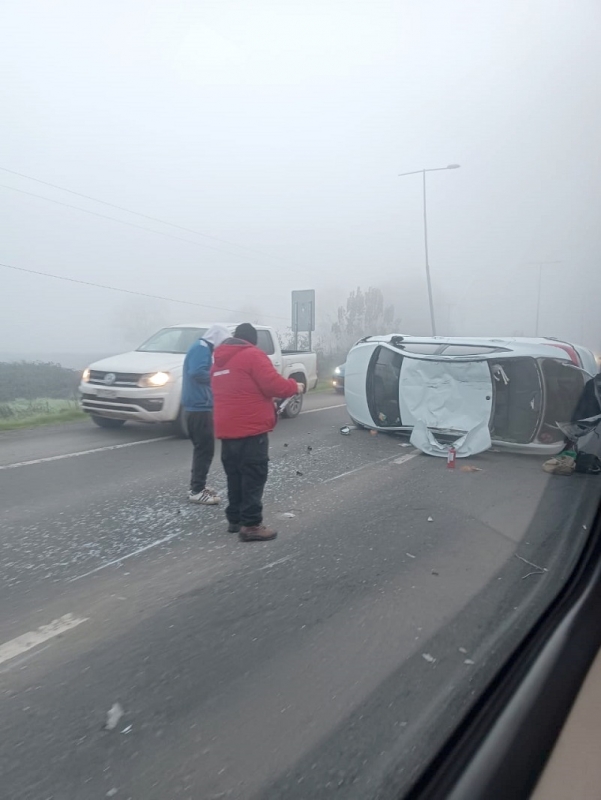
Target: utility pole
x,y
428,280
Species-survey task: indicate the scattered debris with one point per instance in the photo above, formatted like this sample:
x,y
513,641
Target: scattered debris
x,y
410,555
427,657
469,661
113,716
112,792
430,519
288,515
345,430
127,729
298,472
469,468
285,444
309,448
406,444
463,650
435,573
374,433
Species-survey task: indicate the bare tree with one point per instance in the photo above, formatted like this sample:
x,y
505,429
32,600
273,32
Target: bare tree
x,y
364,314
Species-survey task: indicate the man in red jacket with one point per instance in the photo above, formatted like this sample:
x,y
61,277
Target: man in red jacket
x,y
245,383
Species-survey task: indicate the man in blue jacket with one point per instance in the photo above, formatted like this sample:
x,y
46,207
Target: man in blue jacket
x,y
197,400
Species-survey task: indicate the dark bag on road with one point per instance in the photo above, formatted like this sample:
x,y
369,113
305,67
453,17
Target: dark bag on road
x,y
588,463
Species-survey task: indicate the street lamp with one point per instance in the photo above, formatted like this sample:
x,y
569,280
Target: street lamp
x,y
429,282
540,265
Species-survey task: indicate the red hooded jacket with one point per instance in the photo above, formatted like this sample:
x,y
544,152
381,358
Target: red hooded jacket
x,y
244,383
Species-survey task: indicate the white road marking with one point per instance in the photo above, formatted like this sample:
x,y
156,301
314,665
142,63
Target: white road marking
x,y
275,563
323,408
27,641
121,446
125,557
400,460
83,452
404,459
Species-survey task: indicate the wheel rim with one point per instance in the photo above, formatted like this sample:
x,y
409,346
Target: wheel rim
x,y
294,405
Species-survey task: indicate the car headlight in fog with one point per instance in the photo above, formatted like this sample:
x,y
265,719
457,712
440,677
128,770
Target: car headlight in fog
x,y
85,375
154,380
337,371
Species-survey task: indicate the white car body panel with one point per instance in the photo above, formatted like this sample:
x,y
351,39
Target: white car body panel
x,y
455,393
446,395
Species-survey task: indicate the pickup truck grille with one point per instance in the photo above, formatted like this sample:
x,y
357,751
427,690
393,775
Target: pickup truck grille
x,y
91,402
121,378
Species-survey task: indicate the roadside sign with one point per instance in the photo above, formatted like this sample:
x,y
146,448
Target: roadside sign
x,y
303,311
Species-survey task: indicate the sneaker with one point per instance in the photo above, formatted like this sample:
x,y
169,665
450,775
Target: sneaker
x,y
203,498
561,465
233,527
256,533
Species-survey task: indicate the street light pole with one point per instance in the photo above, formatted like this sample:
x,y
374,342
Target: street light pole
x,y
428,279
540,265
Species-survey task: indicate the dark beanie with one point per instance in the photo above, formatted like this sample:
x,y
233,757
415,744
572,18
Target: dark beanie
x,y
246,332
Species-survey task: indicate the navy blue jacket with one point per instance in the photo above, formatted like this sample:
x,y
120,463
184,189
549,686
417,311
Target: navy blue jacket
x,y
196,377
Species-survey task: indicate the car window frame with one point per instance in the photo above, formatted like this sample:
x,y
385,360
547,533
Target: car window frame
x,y
267,333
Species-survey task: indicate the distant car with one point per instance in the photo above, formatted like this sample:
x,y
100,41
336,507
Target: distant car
x,y
519,388
338,379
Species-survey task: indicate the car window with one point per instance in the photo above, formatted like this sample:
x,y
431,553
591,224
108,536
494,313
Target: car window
x,y
467,350
422,348
208,590
265,342
383,382
172,340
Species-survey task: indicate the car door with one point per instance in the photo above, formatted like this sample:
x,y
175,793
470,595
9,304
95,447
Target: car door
x,y
445,394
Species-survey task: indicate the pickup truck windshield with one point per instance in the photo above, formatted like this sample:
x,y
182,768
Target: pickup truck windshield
x,y
172,340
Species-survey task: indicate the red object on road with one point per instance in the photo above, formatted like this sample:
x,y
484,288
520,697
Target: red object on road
x,y
451,458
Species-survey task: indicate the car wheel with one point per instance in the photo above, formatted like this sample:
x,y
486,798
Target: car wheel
x,y
107,422
181,424
293,408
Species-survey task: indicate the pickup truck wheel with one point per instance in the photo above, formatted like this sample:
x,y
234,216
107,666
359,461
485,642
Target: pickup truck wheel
x,y
107,422
181,425
293,408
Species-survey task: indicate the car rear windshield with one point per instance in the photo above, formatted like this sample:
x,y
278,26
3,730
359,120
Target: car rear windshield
x,y
172,340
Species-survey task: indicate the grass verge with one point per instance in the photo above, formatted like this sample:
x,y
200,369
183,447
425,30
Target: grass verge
x,y
33,413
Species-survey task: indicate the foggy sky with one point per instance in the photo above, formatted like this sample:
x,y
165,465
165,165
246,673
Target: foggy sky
x,y
281,127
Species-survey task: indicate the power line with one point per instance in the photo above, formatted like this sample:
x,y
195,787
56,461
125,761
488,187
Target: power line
x,y
124,222
139,214
124,291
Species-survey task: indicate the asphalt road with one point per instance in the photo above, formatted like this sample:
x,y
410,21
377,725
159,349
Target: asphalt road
x,y
328,663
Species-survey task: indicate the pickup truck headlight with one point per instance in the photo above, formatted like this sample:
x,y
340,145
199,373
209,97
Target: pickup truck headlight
x,y
155,379
85,375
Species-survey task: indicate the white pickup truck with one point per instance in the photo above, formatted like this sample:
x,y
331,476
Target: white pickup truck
x,y
146,384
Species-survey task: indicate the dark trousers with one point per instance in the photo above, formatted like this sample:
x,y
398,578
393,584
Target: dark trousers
x,y
246,463
200,430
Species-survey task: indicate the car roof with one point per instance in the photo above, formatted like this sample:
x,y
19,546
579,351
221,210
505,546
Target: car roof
x,y
229,325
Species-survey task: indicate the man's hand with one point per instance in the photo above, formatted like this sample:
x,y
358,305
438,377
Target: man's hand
x,y
301,387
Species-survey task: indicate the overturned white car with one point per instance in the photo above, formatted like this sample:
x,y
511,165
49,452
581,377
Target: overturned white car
x,y
510,393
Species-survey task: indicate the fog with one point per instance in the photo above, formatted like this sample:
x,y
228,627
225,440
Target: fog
x,y
276,131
